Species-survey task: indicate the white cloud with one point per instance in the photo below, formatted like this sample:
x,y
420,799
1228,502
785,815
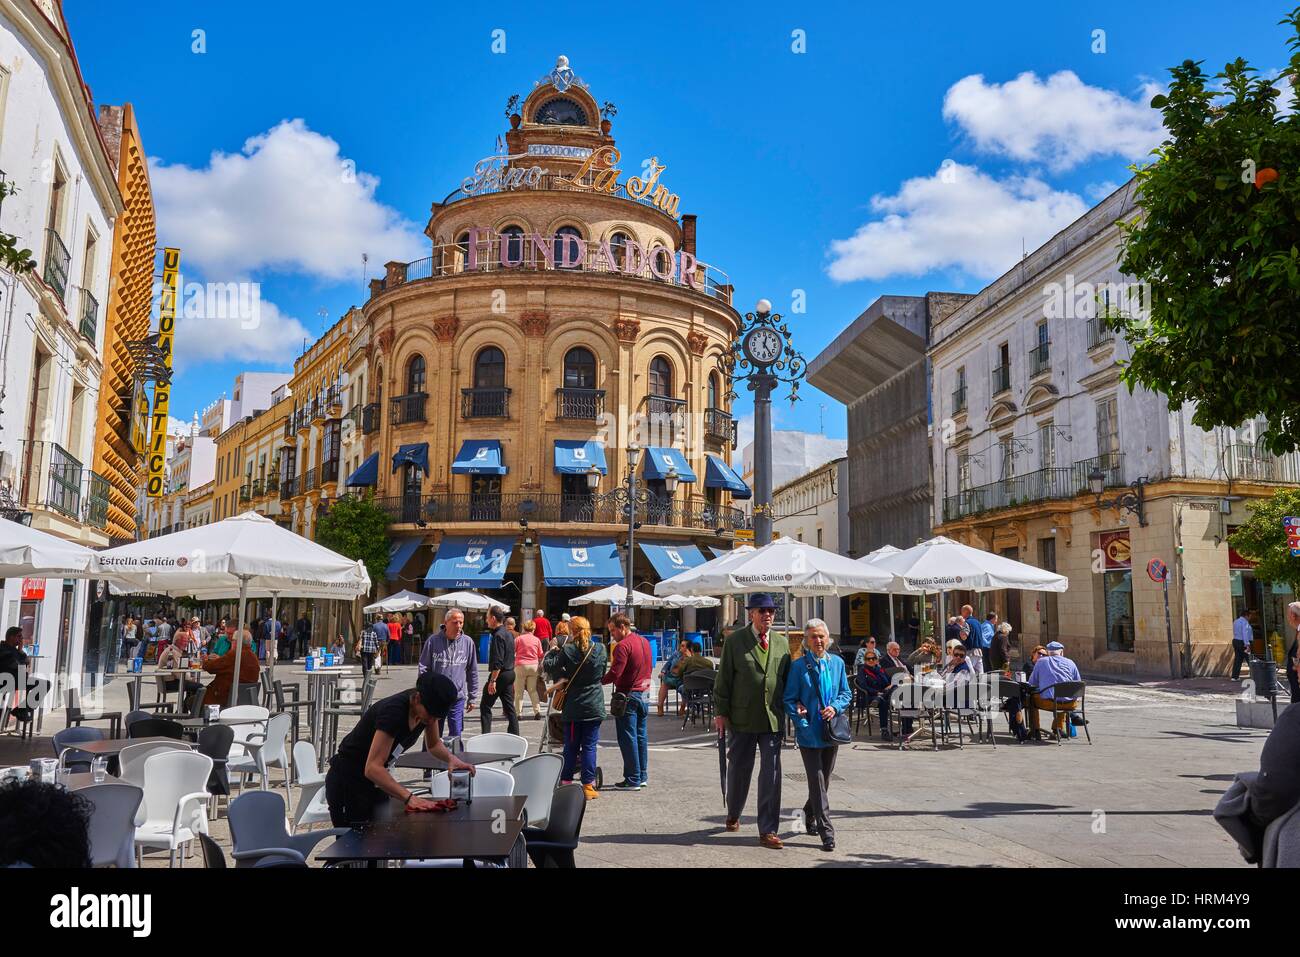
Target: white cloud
x,y
288,201
957,218
1099,191
265,336
1059,122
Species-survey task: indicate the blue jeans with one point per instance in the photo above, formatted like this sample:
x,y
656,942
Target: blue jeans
x,y
632,739
394,652
580,735
455,723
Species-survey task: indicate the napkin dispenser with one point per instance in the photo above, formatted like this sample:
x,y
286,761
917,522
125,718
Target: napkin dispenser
x,y
461,785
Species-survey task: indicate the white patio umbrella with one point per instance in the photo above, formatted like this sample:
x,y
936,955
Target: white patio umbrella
x,y
244,555
29,551
464,600
787,565
401,601
690,601
617,595
941,564
898,587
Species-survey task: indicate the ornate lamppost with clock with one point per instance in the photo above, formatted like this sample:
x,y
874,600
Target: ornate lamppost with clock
x,y
763,351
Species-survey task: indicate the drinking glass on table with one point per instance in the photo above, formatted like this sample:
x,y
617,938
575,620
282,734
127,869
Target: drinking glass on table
x,y
99,769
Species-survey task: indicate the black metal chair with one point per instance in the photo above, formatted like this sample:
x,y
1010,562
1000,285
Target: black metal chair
x,y
1074,692
155,728
247,693
214,858
132,696
75,716
553,845
697,694
291,706
215,741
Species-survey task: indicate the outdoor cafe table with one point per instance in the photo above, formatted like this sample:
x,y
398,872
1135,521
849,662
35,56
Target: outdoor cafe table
x,y
425,760
316,679
472,831
112,747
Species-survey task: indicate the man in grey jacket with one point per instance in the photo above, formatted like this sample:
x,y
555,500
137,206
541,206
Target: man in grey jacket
x,y
450,652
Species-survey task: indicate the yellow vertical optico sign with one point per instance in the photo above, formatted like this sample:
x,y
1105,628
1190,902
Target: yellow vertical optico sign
x,y
162,390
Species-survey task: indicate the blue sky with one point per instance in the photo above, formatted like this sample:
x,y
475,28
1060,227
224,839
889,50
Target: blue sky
x,y
822,171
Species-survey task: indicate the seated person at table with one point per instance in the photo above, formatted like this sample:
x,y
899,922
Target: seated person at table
x,y
668,677
868,646
873,683
359,779
893,656
927,654
55,828
1052,668
223,667
693,661
13,662
171,657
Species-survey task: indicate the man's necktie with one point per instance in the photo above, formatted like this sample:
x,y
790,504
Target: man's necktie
x,y
762,640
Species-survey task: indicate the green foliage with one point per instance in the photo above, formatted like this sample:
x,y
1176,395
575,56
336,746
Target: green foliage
x,y
1263,540
1219,243
357,528
11,257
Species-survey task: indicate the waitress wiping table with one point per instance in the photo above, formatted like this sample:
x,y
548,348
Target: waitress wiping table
x,y
359,779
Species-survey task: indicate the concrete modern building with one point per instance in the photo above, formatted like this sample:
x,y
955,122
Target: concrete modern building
x,y
877,367
812,508
52,322
1029,410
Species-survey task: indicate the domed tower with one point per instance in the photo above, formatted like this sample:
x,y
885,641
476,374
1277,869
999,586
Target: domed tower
x,y
562,317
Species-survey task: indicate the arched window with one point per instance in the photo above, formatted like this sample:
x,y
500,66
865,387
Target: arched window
x,y
579,369
661,377
568,248
714,395
618,246
512,246
415,375
490,369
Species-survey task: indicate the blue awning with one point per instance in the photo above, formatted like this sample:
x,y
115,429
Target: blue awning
x,y
672,559
718,474
399,553
478,562
479,457
576,457
658,459
367,473
416,454
580,562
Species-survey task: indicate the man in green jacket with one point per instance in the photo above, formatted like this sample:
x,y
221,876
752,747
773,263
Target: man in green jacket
x,y
747,701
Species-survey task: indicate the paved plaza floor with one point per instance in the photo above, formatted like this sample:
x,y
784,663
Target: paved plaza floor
x,y
1140,795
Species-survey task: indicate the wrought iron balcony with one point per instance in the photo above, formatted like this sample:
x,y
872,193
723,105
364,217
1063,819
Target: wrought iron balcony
x,y
245,493
309,481
1249,463
1001,379
57,261
408,408
720,426
291,487
1039,486
1098,333
333,399
485,403
97,500
579,403
89,316
370,418
694,512
329,471
1040,359
50,477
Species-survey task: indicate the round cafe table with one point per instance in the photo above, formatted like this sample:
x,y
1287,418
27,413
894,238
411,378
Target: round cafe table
x,y
317,691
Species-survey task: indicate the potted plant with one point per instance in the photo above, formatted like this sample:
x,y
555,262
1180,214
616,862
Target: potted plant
x,y
512,111
607,113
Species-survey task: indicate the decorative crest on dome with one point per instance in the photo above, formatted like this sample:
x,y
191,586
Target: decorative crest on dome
x,y
562,77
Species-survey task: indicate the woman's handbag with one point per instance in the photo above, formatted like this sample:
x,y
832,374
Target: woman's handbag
x,y
837,727
557,701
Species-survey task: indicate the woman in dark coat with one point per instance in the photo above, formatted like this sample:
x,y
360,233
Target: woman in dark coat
x,y
580,667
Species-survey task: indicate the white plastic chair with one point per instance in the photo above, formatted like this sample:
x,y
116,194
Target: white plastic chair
x,y
130,765
112,823
488,782
256,715
498,742
312,807
263,750
175,801
535,780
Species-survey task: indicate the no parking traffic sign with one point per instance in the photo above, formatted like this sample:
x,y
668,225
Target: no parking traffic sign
x,y
1157,570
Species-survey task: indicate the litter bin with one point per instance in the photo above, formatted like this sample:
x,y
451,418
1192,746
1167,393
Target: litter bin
x,y
1263,675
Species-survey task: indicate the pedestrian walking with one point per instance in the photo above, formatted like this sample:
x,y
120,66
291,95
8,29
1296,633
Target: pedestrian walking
x,y
528,661
580,664
816,691
501,673
747,697
629,673
451,653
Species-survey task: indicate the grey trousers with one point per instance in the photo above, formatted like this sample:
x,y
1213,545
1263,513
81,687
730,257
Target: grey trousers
x,y
818,763
740,769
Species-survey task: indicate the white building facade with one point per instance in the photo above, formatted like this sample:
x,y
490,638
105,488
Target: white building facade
x,y
812,509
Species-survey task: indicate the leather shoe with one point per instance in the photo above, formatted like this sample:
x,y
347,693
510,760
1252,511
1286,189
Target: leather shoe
x,y
828,844
771,841
733,824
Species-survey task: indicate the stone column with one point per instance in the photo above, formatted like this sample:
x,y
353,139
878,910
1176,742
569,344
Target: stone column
x,y
528,593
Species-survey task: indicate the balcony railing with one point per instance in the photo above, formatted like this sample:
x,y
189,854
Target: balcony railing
x,y
291,487
1098,333
1040,359
329,471
720,426
245,493
1040,486
290,424
353,415
579,403
959,399
255,489
97,501
57,260
524,255
1001,379
485,403
370,418
51,478
694,512
1249,463
408,408
309,481
89,316
333,398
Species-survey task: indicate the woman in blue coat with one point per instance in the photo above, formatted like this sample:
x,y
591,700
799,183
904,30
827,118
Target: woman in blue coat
x,y
816,689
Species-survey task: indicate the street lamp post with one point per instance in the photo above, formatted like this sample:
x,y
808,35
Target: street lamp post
x,y
629,497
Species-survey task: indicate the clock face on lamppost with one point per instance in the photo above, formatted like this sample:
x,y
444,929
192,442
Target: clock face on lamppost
x,y
762,346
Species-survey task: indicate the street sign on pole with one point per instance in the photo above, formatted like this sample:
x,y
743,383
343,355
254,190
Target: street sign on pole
x,y
1158,571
